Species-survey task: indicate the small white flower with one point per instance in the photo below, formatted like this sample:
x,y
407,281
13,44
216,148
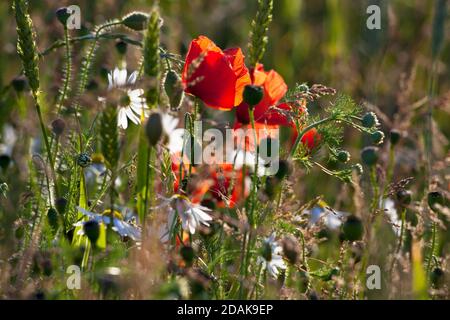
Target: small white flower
x,y
122,227
391,212
272,259
192,215
175,135
332,219
133,105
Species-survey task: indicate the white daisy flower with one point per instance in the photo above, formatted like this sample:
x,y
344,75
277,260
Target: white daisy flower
x,y
132,104
271,258
125,228
174,135
192,215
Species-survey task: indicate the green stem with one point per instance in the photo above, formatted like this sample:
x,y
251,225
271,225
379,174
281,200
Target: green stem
x,y
305,130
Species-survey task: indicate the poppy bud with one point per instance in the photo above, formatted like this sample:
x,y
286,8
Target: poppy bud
x,y
353,229
370,120
5,160
435,198
20,232
154,128
58,126
437,277
343,156
377,137
174,89
284,169
83,160
60,205
404,197
188,254
52,218
369,155
253,94
19,83
121,47
62,14
394,136
136,20
291,249
271,186
92,230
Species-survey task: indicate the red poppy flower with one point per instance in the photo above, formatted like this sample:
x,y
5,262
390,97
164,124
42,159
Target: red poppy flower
x,y
311,139
274,90
216,77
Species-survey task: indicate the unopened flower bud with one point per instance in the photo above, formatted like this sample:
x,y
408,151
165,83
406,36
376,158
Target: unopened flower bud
x,y
404,197
188,254
435,198
58,126
5,160
369,155
377,137
19,83
253,95
121,47
343,156
62,14
60,205
284,169
154,128
52,218
91,229
353,229
174,89
370,120
394,136
136,20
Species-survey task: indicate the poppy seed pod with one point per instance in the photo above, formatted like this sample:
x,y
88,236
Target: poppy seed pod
x,y
60,205
174,89
370,120
121,47
404,197
5,160
62,15
154,128
52,218
369,155
353,229
394,136
19,83
92,230
253,94
58,126
136,20
435,198
284,169
188,254
437,277
377,137
343,156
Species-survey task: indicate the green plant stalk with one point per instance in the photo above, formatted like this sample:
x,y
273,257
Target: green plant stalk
x,y
433,248
375,188
68,71
305,130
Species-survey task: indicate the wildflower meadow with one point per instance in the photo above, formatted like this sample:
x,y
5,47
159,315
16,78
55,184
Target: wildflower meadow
x,y
224,150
